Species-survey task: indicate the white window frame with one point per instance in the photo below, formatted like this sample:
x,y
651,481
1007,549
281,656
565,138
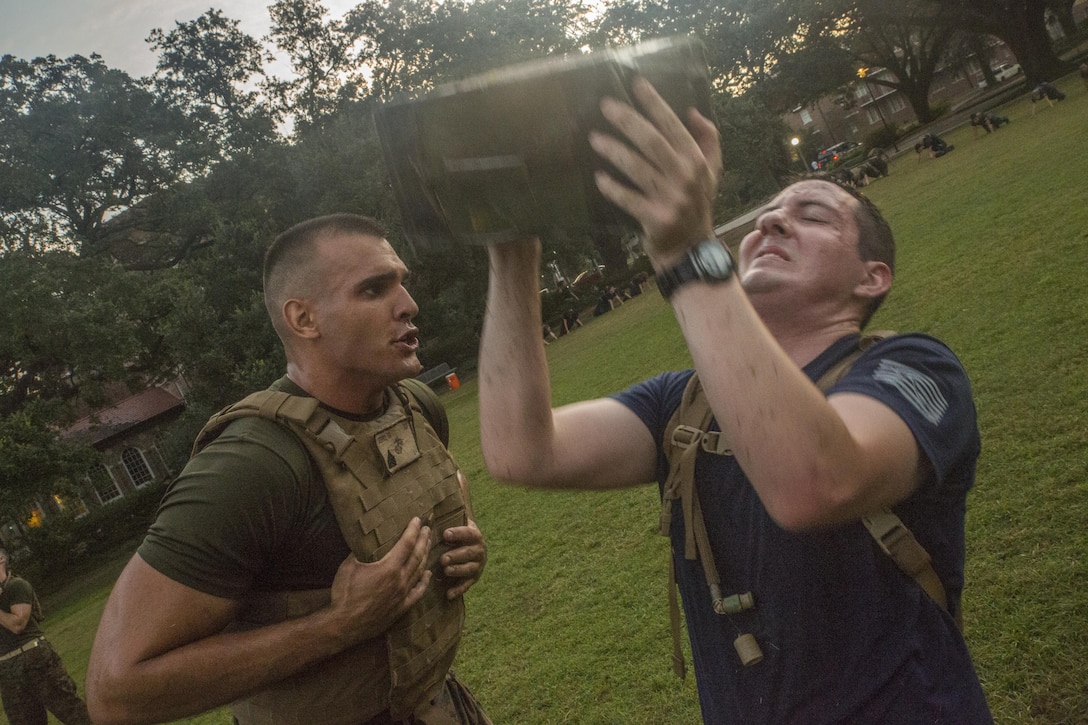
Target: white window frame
x,y
109,478
131,458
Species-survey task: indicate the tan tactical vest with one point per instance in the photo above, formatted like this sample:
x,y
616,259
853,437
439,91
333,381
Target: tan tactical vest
x,y
379,475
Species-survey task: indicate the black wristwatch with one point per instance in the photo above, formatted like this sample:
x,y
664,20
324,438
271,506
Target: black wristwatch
x,y
707,261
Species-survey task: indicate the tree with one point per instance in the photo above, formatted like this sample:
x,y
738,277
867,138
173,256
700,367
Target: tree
x,y
81,142
65,334
35,463
407,44
1021,24
67,327
806,75
320,53
754,151
416,44
207,67
909,41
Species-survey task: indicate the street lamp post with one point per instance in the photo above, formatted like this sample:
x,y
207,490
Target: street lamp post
x,y
796,152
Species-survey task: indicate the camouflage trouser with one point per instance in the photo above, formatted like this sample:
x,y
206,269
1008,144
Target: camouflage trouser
x,y
35,681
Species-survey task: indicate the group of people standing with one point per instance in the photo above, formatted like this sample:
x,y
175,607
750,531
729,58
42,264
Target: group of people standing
x,y
310,562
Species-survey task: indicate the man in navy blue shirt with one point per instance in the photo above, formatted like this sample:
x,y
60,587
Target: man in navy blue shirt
x,y
845,635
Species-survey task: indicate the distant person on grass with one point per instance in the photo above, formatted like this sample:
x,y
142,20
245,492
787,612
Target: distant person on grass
x,y
32,676
827,629
571,320
1045,91
988,122
308,565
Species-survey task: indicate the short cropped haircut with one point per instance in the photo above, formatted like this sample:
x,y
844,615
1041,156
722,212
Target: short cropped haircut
x,y
288,271
875,240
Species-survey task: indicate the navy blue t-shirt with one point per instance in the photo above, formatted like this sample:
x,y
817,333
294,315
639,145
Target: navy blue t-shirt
x,y
846,636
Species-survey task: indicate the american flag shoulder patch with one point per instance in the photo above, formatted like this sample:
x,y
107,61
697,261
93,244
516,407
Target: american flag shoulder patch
x,y
917,388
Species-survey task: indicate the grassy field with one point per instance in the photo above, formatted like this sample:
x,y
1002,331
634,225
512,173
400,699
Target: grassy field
x,y
570,622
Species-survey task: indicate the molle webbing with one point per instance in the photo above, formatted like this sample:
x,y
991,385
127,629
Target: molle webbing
x,y
373,502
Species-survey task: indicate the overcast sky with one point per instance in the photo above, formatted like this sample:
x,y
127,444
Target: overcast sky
x,y
116,29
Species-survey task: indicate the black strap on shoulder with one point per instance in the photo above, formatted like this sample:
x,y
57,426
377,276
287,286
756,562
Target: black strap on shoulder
x,y
430,406
687,431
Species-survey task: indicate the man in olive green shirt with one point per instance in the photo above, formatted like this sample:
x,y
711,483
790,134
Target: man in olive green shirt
x,y
32,676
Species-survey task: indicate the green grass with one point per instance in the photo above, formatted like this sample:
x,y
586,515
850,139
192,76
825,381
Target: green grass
x,y
570,623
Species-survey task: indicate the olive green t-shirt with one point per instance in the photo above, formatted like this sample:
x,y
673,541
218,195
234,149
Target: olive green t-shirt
x,y
248,513
17,591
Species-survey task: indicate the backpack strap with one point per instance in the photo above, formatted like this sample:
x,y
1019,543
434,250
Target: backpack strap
x,y
890,533
686,433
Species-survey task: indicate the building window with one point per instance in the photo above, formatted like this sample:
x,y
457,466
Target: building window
x,y
873,115
70,504
103,484
860,92
137,467
35,518
896,103
806,117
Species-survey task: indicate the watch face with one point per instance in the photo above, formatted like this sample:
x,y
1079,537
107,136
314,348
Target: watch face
x,y
715,260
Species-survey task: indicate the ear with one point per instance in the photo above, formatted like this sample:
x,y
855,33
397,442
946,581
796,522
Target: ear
x,y
876,281
299,318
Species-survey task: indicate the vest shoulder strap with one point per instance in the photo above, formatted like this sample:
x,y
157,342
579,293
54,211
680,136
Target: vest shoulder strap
x,y
279,406
427,402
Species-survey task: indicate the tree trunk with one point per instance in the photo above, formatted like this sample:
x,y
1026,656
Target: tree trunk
x,y
1023,28
982,53
918,98
613,255
1031,45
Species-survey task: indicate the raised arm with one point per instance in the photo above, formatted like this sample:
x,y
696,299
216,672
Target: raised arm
x,y
161,654
813,462
594,444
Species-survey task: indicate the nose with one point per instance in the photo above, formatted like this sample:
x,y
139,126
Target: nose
x,y
406,307
773,222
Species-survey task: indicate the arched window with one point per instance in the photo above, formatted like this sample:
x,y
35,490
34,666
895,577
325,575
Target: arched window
x,y
137,467
103,484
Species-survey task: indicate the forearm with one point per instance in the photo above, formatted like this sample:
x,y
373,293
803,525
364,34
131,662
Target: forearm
x,y
515,393
210,672
792,445
14,622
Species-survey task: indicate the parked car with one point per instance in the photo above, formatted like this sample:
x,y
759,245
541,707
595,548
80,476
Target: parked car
x,y
833,153
1005,71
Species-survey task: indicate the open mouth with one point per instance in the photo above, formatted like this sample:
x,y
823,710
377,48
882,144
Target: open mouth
x,y
772,251
410,338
